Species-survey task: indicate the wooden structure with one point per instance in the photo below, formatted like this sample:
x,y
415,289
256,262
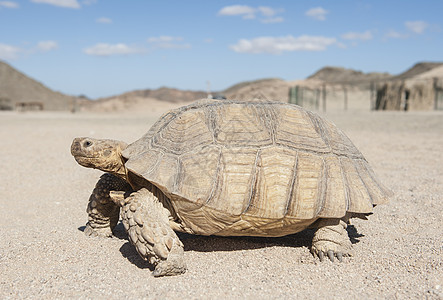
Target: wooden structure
x,y
422,94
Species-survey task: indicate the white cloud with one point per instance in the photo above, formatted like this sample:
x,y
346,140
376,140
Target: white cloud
x,y
278,45
317,13
392,34
168,42
61,3
364,36
413,27
164,39
46,46
173,46
417,27
268,11
8,52
237,10
104,20
8,4
103,49
267,14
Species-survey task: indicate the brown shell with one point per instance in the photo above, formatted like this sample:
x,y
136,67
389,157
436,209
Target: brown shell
x,y
253,168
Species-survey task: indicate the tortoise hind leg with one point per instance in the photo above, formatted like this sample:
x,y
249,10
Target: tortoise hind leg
x,y
331,239
147,223
103,213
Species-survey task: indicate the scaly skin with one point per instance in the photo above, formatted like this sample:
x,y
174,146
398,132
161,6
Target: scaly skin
x,y
103,213
144,217
147,223
331,239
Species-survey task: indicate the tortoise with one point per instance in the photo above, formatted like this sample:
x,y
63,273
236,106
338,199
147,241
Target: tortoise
x,y
230,168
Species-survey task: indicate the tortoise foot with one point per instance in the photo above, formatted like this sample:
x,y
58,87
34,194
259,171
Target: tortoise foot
x,y
330,254
100,232
147,223
170,267
103,213
331,240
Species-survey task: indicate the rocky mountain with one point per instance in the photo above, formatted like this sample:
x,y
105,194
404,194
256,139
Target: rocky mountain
x,y
18,91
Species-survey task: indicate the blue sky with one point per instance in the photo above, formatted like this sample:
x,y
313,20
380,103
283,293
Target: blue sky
x,y
105,47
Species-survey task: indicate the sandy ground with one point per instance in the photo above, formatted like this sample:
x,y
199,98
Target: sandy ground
x,y
45,254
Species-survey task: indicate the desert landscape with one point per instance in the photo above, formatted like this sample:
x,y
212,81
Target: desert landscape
x,y
45,254
112,69
329,89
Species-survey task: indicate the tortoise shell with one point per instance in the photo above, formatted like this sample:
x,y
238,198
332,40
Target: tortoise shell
x,y
253,168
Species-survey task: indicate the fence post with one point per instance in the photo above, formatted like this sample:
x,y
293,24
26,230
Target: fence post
x,y
301,96
317,99
293,95
324,96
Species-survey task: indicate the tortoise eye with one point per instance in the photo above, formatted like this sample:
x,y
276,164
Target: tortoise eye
x,y
87,143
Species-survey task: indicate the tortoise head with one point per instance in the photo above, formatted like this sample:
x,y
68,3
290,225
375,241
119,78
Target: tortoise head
x,y
100,154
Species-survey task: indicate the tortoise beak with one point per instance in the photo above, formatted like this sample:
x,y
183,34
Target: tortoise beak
x,y
83,151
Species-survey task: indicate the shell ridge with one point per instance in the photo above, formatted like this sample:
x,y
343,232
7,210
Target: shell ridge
x,y
291,193
345,184
254,181
319,128
211,122
268,120
176,186
215,183
272,120
365,185
370,172
322,188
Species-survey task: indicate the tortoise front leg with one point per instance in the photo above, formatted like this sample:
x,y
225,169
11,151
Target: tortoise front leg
x,y
103,213
331,239
147,223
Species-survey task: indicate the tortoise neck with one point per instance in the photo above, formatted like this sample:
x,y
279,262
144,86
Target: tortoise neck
x,y
120,169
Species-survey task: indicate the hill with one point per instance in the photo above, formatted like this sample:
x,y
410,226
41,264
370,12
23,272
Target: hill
x,y
418,69
143,99
266,89
164,94
139,100
18,91
346,76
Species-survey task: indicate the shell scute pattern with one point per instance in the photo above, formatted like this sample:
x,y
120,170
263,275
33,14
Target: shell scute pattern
x,y
253,160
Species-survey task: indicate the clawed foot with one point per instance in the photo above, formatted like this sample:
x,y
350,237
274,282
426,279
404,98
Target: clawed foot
x,y
170,267
101,232
331,254
147,223
331,240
